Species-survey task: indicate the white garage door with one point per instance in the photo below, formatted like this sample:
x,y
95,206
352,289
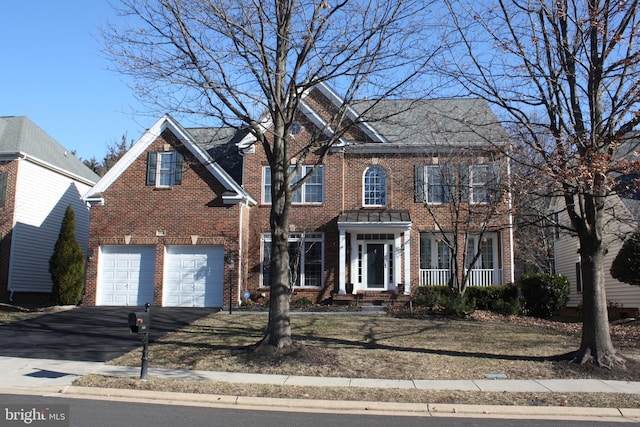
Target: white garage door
x,y
193,276
126,275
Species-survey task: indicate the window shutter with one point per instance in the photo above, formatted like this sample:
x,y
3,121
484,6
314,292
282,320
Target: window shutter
x,y
465,183
418,179
177,168
152,160
3,188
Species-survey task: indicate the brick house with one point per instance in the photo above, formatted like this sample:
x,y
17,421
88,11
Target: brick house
x,y
358,226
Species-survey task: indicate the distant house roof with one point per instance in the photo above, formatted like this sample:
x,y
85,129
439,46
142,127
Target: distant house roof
x,y
20,137
434,122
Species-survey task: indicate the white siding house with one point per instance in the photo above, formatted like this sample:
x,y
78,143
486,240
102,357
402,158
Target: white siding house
x,y
40,179
567,258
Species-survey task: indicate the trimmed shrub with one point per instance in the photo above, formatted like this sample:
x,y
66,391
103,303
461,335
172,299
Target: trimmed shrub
x,y
498,299
66,265
544,294
432,296
459,306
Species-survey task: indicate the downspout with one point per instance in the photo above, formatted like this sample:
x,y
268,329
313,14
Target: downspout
x,y
240,253
511,258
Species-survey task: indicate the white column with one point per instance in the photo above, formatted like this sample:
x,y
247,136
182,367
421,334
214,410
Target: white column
x,y
407,261
354,262
342,259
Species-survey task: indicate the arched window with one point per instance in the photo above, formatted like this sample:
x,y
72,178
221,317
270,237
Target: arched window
x,y
375,186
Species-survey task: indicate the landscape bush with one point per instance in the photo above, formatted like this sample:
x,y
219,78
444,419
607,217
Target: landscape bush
x,y
66,265
544,294
498,299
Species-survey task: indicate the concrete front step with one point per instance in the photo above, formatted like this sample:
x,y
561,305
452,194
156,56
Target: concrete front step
x,y
370,298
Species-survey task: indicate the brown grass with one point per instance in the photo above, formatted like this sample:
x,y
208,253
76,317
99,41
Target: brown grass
x,y
381,346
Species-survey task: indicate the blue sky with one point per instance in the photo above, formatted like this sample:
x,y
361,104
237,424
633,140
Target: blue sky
x,y
52,71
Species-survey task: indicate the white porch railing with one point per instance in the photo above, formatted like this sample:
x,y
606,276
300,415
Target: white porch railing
x,y
477,277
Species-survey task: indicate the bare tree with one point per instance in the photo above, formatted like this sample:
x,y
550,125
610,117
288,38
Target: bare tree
x,y
576,64
249,64
115,151
466,194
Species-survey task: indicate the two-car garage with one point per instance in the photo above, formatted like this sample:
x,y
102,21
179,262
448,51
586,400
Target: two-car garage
x,y
193,276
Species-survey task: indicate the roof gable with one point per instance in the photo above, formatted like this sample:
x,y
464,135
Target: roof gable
x,y
19,136
235,193
409,123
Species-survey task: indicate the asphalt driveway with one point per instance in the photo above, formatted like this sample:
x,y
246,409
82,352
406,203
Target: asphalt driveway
x,y
94,334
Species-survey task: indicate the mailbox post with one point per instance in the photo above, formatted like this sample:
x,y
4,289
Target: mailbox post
x,y
139,324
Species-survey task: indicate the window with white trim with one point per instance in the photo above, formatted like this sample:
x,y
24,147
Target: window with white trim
x,y
375,186
306,259
438,184
164,168
311,191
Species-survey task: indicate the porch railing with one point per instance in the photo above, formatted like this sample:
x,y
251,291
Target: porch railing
x,y
477,277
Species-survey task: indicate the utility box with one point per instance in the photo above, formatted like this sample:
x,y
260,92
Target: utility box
x,y
139,322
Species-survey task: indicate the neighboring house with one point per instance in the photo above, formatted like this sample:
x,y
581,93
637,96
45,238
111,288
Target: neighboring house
x,y
38,180
622,214
169,218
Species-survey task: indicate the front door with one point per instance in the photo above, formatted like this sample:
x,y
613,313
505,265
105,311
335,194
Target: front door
x,y
376,262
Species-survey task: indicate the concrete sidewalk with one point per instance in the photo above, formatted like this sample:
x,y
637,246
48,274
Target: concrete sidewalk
x,y
55,377
46,374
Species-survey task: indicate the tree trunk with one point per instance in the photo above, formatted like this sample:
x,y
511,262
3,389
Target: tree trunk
x,y
279,327
596,345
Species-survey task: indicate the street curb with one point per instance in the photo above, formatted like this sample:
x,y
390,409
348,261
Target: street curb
x,y
397,408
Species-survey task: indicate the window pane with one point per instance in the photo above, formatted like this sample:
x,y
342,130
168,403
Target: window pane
x,y
313,264
425,251
266,262
479,178
471,251
266,185
313,187
375,186
443,255
436,188
165,169
487,253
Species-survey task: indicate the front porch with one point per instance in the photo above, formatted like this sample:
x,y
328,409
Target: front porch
x,y
477,277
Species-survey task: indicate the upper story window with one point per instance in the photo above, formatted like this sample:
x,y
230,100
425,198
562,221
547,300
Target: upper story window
x,y
375,186
464,183
311,192
3,188
164,168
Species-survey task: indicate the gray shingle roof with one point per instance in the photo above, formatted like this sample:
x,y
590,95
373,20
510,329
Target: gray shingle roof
x,y
19,135
441,122
369,216
220,144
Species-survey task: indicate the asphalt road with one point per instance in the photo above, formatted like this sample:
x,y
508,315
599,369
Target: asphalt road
x,y
105,413
95,334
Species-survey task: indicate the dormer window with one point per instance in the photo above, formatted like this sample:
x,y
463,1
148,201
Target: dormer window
x,y
375,187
